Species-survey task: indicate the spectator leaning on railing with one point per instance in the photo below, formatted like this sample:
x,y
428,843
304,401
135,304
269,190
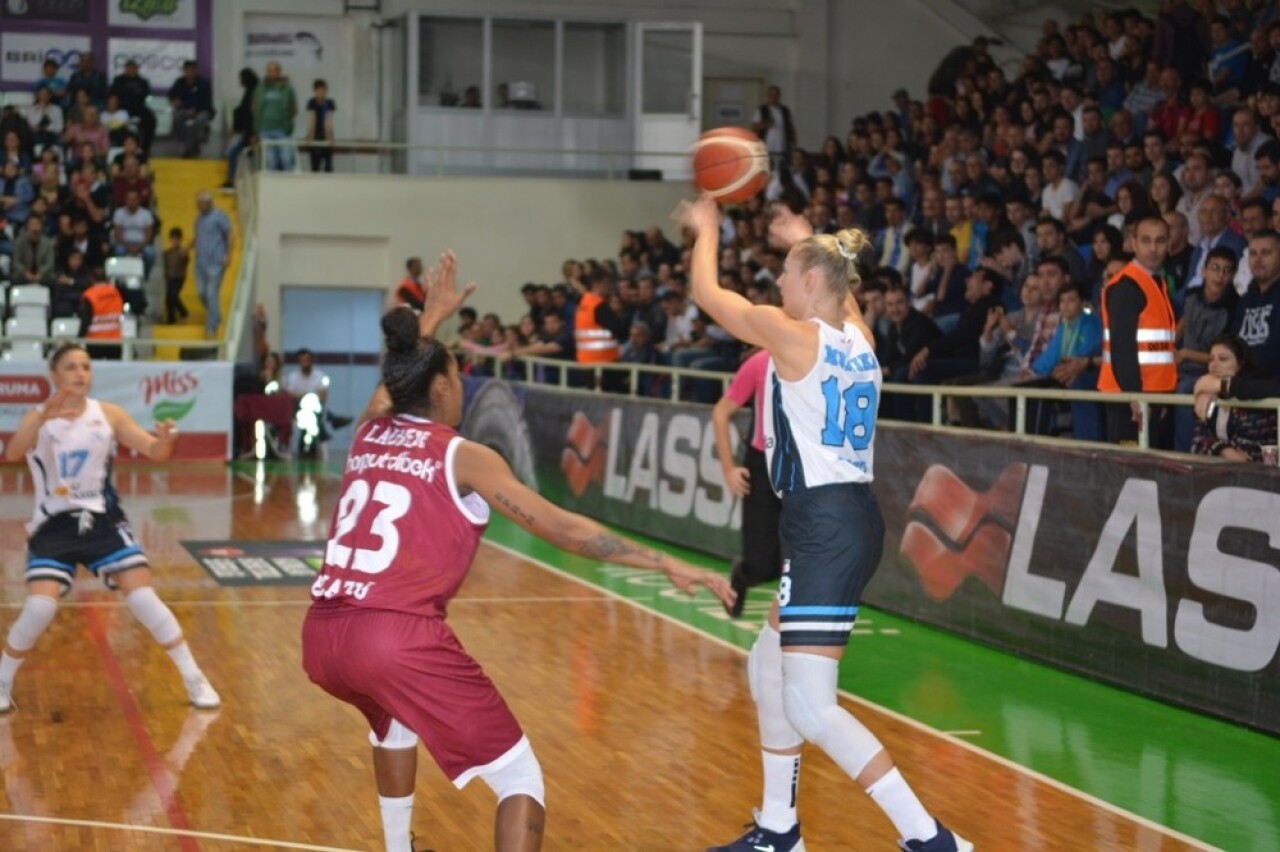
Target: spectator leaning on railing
x,y
1237,434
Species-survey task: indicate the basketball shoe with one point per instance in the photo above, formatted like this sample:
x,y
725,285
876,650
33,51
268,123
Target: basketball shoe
x,y
759,839
203,695
943,841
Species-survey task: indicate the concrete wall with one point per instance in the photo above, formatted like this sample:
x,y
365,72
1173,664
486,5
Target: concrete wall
x,y
357,230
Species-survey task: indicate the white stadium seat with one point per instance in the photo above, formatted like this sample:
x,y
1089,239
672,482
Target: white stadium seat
x,y
125,268
33,312
20,98
25,350
64,327
29,295
25,327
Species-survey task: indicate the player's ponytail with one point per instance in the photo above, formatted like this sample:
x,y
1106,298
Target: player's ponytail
x,y
839,256
411,363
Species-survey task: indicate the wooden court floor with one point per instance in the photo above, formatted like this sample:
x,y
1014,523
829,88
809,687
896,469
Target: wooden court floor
x,y
644,728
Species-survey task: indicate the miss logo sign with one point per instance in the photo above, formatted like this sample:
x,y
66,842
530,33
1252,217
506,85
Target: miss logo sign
x,y
170,395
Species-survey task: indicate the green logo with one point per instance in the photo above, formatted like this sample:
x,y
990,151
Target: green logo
x,y
147,9
167,410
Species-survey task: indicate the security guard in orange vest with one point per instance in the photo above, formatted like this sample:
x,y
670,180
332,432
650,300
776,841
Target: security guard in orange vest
x,y
597,329
102,316
1138,330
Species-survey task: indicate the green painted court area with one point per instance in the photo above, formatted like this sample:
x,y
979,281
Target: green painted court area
x,y
1212,780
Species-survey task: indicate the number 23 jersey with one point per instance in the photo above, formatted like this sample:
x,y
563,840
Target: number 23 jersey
x,y
820,429
402,537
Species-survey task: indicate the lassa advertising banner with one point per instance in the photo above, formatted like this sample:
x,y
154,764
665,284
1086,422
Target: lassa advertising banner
x,y
1160,576
196,395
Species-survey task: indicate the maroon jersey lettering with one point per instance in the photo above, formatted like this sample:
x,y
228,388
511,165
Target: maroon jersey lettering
x,y
402,538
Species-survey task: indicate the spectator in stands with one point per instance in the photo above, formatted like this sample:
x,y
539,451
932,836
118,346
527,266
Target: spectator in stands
x,y
1236,434
176,258
81,240
1197,182
212,251
1071,360
90,80
129,147
274,107
893,239
1051,240
191,97
1248,140
1138,324
306,378
51,80
130,180
412,290
16,194
774,126
241,123
1258,316
132,90
639,349
1108,243
957,352
1267,161
907,332
555,341
1214,221
1177,265
89,130
118,121
319,136
13,151
133,232
1206,315
45,118
1059,190
1092,205
1166,193
1255,217
33,255
69,285
55,197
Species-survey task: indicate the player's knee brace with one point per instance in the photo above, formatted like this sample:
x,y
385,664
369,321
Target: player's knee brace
x,y
398,736
37,612
520,775
764,677
809,696
147,607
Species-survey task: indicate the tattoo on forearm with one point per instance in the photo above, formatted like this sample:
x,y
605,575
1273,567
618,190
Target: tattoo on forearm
x,y
607,546
515,510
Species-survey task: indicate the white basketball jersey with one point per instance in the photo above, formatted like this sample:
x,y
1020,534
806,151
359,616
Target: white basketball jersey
x,y
819,430
71,464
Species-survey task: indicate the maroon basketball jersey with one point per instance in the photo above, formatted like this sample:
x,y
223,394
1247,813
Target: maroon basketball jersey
x,y
402,538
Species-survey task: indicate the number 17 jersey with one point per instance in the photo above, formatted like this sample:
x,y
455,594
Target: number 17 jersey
x,y
820,429
402,537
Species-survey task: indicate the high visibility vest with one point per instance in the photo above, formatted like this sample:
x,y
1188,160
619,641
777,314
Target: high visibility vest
x,y
411,293
1156,325
108,311
595,344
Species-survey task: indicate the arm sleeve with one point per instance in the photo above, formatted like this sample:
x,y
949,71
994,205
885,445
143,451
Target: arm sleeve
x,y
1254,387
1124,303
1048,359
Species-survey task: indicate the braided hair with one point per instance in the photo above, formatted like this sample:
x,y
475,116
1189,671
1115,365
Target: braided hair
x,y
411,362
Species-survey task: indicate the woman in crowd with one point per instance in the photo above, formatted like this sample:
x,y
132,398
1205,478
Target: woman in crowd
x,y
1236,434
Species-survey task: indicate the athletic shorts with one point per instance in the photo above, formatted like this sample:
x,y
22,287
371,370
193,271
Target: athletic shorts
x,y
832,539
393,665
104,544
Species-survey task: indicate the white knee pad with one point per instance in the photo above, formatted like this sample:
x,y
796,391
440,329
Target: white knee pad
x,y
809,697
764,677
154,615
516,773
398,736
37,612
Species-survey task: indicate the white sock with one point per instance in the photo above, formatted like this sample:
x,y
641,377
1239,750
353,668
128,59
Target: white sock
x,y
9,667
900,804
181,656
397,816
781,783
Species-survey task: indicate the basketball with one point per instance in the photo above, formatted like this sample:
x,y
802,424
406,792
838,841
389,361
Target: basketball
x,y
731,164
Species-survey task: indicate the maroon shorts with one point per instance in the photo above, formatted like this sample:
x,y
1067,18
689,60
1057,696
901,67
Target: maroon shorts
x,y
392,665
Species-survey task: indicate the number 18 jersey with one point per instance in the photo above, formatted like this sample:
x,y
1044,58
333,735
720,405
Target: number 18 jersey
x,y
402,537
819,430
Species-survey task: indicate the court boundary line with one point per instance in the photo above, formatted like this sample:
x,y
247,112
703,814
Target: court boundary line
x,y
1001,760
303,602
179,832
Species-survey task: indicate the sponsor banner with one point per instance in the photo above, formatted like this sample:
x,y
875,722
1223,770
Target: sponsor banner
x,y
195,394
68,11
159,60
1158,576
259,563
23,54
296,42
152,14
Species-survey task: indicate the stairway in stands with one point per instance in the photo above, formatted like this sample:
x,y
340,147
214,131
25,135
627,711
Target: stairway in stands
x,y
176,184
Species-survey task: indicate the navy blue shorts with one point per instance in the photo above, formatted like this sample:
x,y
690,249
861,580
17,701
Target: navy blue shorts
x,y
62,542
832,540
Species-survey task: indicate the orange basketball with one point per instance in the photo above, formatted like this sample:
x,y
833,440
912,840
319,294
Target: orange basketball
x,y
731,164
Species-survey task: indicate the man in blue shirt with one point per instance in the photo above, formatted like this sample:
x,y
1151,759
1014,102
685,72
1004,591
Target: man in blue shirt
x,y
50,80
192,100
1259,311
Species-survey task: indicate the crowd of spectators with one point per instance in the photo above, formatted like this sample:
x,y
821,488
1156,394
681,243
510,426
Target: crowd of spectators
x,y
1001,205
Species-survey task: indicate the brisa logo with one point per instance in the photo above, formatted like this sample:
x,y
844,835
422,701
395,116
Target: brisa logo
x,y
147,9
162,387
